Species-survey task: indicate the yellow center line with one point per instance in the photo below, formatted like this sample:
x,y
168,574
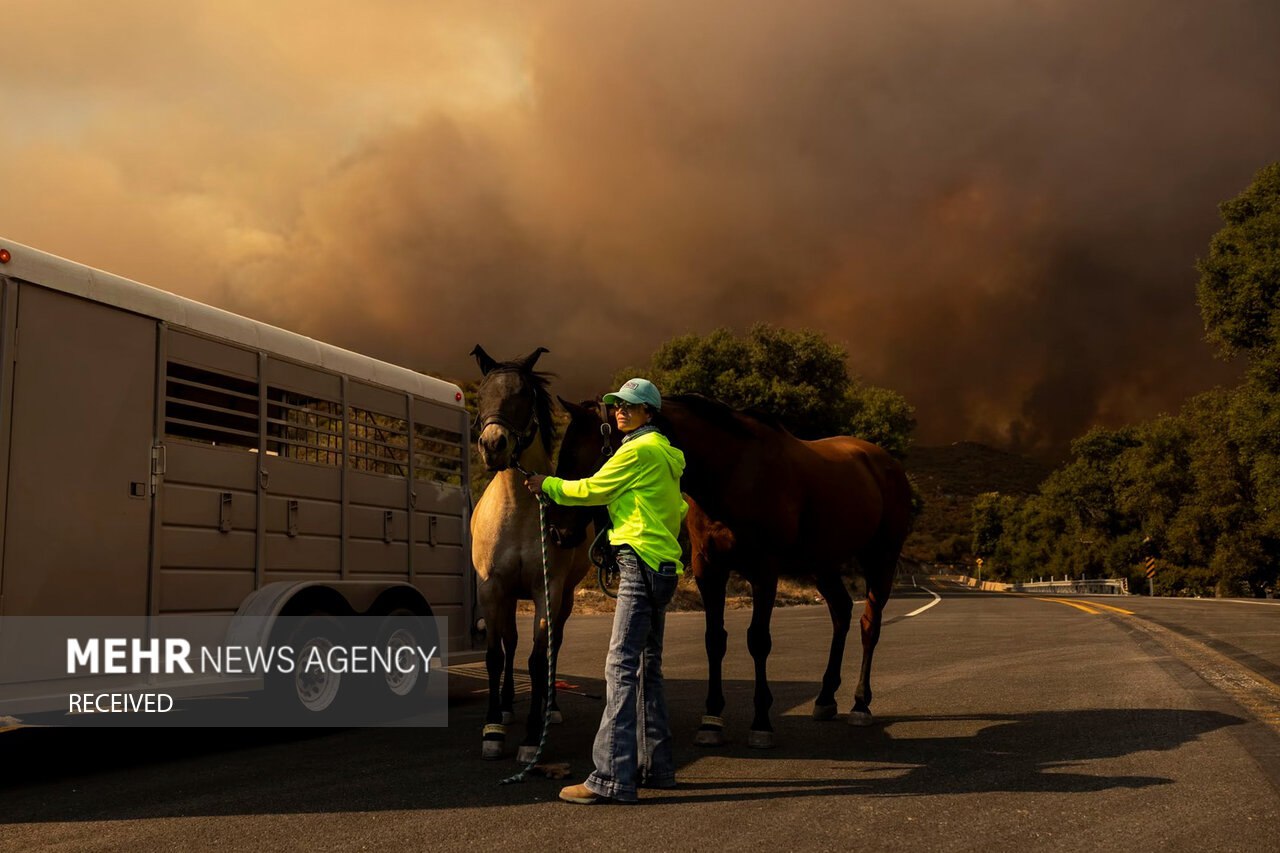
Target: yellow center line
x,y
1109,607
1074,604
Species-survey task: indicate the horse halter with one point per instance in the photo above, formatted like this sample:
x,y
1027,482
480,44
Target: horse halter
x,y
606,449
524,437
599,553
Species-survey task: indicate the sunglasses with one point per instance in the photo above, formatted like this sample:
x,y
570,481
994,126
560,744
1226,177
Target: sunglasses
x,y
630,407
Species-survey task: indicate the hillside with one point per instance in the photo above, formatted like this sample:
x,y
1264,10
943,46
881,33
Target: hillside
x,y
949,477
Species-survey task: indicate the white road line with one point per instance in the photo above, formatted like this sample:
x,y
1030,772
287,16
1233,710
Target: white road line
x,y
1220,600
936,599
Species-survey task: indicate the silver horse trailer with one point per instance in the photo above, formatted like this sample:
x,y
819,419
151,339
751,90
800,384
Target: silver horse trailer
x,y
162,458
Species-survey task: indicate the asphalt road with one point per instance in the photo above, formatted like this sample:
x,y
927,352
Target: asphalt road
x,y
1004,722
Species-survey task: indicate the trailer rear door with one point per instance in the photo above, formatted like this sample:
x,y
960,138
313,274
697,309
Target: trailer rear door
x,y
78,514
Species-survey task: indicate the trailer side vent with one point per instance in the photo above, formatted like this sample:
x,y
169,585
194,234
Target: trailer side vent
x,y
378,443
437,455
305,428
210,408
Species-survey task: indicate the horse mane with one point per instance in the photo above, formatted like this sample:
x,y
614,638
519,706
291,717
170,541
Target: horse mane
x,y
541,381
767,418
721,414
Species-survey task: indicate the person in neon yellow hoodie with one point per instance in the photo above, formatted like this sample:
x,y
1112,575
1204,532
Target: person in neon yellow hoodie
x,y
640,486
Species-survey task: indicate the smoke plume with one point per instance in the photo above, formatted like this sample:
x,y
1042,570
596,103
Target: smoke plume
x,y
995,206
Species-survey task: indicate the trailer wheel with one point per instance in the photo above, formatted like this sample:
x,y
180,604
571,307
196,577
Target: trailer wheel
x,y
406,636
310,693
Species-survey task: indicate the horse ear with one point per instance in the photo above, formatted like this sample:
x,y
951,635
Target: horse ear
x,y
532,358
575,410
484,360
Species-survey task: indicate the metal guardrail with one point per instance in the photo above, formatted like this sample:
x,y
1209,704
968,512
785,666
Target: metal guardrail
x,y
1075,587
1097,586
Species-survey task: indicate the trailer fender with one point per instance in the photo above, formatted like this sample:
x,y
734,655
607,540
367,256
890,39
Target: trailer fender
x,y
255,620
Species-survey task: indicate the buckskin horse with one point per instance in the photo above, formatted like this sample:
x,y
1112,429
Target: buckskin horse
x,y
763,503
514,420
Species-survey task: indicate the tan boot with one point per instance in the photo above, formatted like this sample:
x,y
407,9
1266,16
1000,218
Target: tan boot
x,y
580,794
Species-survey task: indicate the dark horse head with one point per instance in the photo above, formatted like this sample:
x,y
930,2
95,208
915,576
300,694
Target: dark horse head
x,y
583,449
513,409
585,445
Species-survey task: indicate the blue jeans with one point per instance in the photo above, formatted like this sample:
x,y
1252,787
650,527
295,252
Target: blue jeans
x,y
633,745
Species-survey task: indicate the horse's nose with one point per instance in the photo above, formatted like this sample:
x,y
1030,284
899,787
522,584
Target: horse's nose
x,y
494,447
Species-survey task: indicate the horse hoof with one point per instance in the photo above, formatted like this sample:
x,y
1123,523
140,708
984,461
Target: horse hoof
x,y
760,740
526,753
860,718
555,718
710,731
824,712
709,737
494,736
508,717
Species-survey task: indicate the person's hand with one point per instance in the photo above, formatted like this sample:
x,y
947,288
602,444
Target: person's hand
x,y
534,483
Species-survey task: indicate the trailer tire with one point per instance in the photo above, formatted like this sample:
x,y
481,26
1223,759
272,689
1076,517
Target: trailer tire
x,y
309,695
405,693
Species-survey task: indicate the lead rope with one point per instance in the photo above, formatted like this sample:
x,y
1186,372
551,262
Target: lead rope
x,y
606,569
546,597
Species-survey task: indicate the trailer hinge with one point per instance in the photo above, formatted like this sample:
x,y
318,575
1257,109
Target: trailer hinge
x,y
159,461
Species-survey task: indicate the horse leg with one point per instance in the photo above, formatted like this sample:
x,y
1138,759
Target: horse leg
x,y
495,729
840,605
764,592
879,574
562,616
711,586
510,636
538,672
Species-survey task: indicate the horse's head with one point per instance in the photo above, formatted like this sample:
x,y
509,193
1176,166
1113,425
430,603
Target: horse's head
x,y
583,449
585,445
513,407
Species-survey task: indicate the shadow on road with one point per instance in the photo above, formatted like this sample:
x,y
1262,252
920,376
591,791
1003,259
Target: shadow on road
x,y
1043,751
81,774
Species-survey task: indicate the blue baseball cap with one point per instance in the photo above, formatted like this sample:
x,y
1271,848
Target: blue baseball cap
x,y
636,391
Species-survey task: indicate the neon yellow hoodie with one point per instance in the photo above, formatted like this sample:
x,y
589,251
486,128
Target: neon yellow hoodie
x,y
640,485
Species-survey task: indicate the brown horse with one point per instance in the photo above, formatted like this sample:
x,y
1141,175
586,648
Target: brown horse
x,y
764,503
514,423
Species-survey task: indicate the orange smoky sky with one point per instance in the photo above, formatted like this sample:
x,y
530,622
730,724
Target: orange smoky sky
x,y
995,206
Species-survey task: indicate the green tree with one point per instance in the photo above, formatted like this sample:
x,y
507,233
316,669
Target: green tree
x,y
880,416
1204,485
991,510
1032,542
795,375
993,514
1153,478
1239,297
1075,524
1239,287
1237,489
1085,488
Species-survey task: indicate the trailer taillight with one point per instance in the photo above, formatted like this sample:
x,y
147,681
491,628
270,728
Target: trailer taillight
x,y
457,396
5,256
